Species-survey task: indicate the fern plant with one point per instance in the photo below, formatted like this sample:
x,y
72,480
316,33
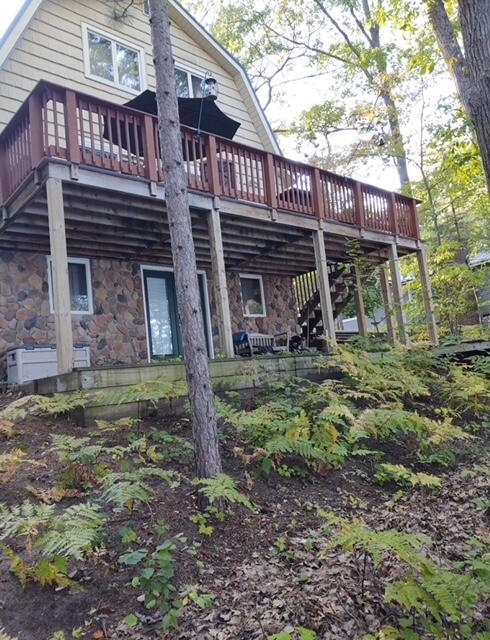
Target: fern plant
x,y
129,488
42,406
78,530
25,520
152,391
386,472
73,533
9,463
437,599
45,572
222,488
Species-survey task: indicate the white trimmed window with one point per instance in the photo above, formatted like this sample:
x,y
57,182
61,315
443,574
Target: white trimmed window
x,y
80,286
113,61
253,299
188,85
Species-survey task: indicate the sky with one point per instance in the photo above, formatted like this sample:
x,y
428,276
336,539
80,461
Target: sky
x,y
8,9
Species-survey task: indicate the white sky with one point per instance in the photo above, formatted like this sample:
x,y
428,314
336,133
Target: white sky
x,y
8,9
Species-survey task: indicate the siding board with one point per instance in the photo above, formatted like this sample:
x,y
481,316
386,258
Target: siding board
x,y
51,49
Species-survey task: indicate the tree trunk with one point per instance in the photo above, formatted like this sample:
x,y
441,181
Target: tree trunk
x,y
204,421
397,143
474,18
471,71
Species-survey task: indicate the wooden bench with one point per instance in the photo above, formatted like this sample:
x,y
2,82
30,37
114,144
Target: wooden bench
x,y
259,343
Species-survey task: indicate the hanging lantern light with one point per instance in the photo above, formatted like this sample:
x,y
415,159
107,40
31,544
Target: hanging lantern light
x,y
209,86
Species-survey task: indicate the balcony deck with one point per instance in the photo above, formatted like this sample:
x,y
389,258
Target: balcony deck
x,y
65,127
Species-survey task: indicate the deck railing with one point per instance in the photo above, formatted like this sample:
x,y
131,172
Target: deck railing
x,y
62,123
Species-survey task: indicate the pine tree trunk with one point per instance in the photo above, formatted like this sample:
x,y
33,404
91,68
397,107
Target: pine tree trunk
x,y
474,18
204,421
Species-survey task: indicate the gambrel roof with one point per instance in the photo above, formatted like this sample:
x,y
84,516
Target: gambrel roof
x,y
194,30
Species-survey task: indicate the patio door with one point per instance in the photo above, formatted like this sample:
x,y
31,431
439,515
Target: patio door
x,y
164,338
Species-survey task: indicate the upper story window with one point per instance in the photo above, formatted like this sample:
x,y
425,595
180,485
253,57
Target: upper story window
x,y
188,85
113,61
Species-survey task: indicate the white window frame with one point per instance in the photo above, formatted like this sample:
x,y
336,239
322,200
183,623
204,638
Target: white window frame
x,y
88,275
253,276
207,311
189,73
115,40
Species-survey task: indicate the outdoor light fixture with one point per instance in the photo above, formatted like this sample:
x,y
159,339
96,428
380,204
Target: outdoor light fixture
x,y
209,86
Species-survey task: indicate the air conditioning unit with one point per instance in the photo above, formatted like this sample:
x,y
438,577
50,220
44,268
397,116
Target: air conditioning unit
x,y
32,362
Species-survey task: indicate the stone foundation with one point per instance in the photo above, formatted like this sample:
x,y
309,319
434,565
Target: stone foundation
x,y
279,302
116,331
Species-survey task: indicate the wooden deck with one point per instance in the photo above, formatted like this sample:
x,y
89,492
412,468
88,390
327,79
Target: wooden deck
x,y
62,124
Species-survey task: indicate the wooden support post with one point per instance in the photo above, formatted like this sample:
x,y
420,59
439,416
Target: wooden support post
x,y
71,127
150,149
213,167
324,285
317,194
392,213
415,218
388,303
220,288
36,126
427,295
270,181
359,205
60,280
362,323
396,283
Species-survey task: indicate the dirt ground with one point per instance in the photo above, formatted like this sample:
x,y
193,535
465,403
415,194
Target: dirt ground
x,y
268,571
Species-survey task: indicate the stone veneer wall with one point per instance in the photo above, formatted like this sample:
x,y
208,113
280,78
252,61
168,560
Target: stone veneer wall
x,y
279,301
116,332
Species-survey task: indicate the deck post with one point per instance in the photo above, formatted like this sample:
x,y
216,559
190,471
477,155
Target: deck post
x,y
427,295
36,125
71,127
324,285
396,283
360,214
387,303
362,323
220,287
60,280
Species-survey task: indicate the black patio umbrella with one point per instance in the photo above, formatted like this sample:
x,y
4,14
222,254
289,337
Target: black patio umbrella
x,y
199,113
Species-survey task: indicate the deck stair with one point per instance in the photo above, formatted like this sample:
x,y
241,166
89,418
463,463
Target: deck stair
x,y
308,295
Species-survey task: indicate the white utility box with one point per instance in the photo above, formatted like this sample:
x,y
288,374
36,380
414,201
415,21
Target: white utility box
x,y
32,362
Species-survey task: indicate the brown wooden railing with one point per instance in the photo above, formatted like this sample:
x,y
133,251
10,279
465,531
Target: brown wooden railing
x,y
62,123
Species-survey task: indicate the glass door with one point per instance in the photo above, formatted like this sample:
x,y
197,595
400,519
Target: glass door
x,y
161,310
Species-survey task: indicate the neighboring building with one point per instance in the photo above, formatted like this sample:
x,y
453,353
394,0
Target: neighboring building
x,y
81,174
482,261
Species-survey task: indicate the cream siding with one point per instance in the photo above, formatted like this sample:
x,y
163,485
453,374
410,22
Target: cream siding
x,y
51,49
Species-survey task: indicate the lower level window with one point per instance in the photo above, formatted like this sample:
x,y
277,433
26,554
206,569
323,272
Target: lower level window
x,y
80,285
252,289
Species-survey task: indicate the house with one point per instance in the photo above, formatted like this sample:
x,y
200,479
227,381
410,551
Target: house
x,y
84,241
